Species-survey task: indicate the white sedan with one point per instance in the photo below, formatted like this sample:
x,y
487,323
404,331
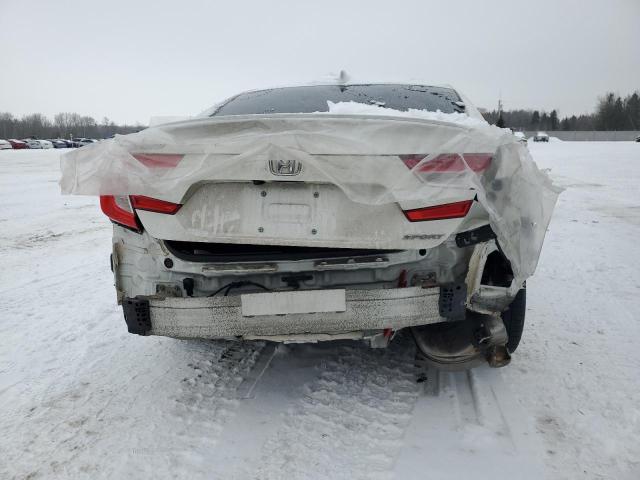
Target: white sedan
x,y
311,213
4,145
32,143
85,141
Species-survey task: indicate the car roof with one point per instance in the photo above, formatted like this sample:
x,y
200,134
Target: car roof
x,y
215,107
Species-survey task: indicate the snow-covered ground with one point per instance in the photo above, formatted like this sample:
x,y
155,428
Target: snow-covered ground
x,y
81,398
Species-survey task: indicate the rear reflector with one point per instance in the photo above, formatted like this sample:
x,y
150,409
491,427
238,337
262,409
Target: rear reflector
x,y
158,160
439,212
149,204
449,162
119,211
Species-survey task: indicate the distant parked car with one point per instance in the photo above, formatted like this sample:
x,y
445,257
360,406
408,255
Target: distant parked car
x,y
638,138
59,143
85,141
32,143
521,137
541,137
4,145
45,143
17,144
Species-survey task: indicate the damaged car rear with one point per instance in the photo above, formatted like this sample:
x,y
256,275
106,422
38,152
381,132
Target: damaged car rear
x,y
304,214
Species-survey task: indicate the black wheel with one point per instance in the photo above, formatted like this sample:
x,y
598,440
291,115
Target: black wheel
x,y
513,319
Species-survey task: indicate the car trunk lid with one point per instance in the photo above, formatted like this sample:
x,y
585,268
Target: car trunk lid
x,y
307,180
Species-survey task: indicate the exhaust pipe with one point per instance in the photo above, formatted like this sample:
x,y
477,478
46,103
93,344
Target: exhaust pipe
x,y
464,344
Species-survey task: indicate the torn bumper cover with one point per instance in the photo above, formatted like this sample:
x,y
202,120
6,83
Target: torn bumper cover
x,y
219,317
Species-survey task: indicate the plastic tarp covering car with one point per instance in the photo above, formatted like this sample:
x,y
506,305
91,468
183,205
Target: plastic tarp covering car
x,y
358,148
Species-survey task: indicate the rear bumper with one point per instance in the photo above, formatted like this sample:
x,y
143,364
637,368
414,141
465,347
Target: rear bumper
x,y
221,317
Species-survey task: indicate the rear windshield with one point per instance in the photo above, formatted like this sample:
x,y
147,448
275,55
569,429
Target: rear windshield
x,y
314,99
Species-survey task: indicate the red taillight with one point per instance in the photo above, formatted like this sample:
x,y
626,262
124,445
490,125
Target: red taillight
x,y
449,162
439,212
478,162
412,160
158,160
141,202
119,211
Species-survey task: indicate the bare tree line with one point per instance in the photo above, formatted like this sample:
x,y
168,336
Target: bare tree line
x,y
613,112
63,125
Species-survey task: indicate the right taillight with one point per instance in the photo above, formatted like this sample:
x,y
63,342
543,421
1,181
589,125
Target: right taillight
x,y
119,210
439,212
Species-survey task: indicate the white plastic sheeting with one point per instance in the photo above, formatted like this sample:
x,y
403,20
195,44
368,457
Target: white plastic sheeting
x,y
357,150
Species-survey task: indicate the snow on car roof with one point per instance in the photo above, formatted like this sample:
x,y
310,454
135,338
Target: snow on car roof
x,y
340,79
208,112
355,108
468,114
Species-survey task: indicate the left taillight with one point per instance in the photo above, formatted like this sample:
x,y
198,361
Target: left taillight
x,y
158,160
149,204
122,209
119,210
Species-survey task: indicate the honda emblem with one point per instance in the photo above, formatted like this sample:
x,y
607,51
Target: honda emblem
x,y
285,167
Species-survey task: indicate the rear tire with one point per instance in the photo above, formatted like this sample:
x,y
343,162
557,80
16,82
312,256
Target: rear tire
x,y
513,319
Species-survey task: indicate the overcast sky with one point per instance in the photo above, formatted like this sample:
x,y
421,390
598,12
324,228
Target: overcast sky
x,y
129,60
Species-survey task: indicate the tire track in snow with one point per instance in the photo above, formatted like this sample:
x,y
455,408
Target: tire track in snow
x,y
167,423
45,238
349,422
209,394
200,407
470,424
